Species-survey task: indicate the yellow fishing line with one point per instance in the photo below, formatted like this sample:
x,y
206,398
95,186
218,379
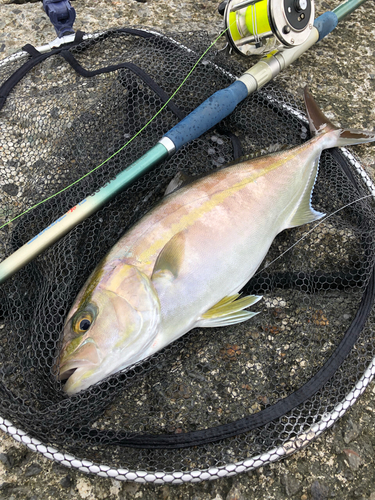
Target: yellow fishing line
x,y
129,141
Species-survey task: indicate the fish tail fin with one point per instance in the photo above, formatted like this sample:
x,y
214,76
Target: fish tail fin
x,y
320,124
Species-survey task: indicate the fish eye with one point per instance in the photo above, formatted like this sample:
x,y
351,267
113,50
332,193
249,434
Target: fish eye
x,y
85,324
82,323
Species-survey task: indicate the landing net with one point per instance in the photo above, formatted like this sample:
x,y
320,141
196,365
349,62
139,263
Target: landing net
x,y
217,401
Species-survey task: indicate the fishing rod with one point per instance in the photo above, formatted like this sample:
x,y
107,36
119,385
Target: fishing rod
x,y
204,117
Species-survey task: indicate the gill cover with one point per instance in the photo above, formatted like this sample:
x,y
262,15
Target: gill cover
x,y
123,311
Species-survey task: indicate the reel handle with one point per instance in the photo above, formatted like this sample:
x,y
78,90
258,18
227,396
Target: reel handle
x,y
221,7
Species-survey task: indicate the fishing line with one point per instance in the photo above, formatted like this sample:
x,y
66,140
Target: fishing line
x,y
311,230
129,141
301,374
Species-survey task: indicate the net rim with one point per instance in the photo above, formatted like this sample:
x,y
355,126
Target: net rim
x,y
197,475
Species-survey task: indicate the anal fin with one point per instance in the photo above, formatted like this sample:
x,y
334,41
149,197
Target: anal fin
x,y
304,212
229,311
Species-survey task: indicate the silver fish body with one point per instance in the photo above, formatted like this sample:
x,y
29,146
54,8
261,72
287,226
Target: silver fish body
x,y
183,264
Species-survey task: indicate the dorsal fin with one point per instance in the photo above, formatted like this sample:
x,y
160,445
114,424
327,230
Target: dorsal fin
x,y
274,148
179,181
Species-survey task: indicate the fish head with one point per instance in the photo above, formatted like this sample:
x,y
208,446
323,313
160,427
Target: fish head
x,y
113,321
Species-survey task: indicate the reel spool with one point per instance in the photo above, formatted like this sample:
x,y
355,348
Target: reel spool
x,y
259,26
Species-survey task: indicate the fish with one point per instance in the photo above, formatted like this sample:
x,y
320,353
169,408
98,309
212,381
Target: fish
x,y
184,263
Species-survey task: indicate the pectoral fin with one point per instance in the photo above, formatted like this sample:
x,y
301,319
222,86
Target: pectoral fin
x,y
228,311
169,261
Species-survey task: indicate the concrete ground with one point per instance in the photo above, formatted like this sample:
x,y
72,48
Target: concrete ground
x,y
340,72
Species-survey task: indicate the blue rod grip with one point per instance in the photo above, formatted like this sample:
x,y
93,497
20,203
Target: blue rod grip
x,y
326,23
208,114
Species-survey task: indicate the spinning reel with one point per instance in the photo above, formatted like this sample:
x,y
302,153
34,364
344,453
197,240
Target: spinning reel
x,y
259,26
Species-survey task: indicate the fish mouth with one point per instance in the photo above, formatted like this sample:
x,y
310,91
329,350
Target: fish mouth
x,y
77,379
66,374
67,369
73,375
87,355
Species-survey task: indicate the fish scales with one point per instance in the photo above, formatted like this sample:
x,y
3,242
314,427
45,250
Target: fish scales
x,y
214,212
227,195
183,264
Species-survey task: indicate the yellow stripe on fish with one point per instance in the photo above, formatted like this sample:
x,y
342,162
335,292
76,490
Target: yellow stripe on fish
x,y
183,264
213,201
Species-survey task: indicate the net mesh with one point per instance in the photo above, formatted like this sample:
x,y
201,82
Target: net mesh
x,y
317,291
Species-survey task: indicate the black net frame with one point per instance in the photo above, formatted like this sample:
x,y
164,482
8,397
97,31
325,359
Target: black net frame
x,y
209,404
